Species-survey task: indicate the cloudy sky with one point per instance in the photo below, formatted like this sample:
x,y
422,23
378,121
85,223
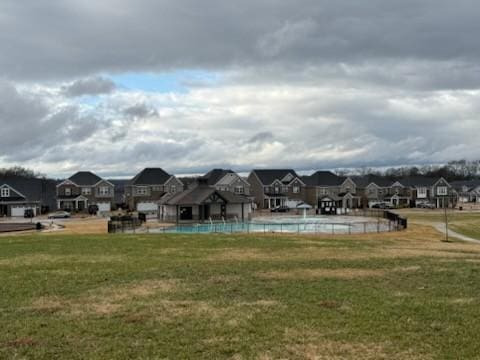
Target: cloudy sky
x,y
117,85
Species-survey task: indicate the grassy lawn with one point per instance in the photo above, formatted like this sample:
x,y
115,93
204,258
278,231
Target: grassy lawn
x,y
393,296
463,222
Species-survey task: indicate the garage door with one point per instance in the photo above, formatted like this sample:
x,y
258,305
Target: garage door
x,y
19,211
104,207
147,206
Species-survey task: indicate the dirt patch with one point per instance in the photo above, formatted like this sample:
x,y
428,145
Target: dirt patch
x,y
308,274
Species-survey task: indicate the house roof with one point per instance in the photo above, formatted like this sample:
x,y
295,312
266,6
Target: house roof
x,y
364,181
34,189
215,175
268,176
85,178
199,195
414,181
151,176
323,178
470,184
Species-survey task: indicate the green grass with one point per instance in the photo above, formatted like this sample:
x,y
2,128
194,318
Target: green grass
x,y
216,296
463,222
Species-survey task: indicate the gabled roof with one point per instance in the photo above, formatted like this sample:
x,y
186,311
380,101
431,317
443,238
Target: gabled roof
x,y
199,194
470,184
33,189
416,181
268,176
151,176
364,181
215,175
85,178
323,178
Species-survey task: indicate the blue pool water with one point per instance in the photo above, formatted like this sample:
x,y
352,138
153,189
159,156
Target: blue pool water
x,y
318,224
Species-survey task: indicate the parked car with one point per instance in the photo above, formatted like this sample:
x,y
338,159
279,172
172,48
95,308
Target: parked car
x,y
426,206
280,209
59,215
28,213
382,205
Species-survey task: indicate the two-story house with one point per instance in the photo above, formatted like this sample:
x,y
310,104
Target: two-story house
x,y
437,192
18,194
329,192
375,189
83,189
144,191
468,190
227,180
273,188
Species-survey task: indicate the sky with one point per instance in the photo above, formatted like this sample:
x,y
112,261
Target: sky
x,y
114,86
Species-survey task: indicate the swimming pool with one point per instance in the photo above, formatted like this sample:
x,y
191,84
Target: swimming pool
x,y
288,224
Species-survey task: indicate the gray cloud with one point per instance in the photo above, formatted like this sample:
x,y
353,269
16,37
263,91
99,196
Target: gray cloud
x,y
140,111
308,84
54,42
90,86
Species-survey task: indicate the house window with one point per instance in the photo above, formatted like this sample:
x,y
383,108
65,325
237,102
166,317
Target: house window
x,y
5,192
239,190
141,191
422,193
296,189
68,191
442,190
277,190
173,188
104,190
157,188
86,191
284,189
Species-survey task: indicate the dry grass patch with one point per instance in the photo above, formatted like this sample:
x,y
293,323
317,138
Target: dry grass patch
x,y
315,346
43,259
104,301
308,274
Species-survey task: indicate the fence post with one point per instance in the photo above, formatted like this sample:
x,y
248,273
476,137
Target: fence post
x,y
364,228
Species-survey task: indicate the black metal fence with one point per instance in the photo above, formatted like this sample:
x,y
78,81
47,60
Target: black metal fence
x,y
125,223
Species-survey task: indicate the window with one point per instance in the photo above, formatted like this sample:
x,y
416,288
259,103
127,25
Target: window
x,y
284,189
296,189
103,190
68,191
277,190
86,191
157,188
422,193
323,191
442,190
141,191
5,192
173,188
239,190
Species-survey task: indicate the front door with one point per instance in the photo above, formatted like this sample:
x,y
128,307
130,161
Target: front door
x,y
223,211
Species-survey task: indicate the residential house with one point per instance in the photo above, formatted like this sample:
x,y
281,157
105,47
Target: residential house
x,y
375,189
18,194
437,192
84,189
227,180
204,203
468,190
272,188
328,192
145,190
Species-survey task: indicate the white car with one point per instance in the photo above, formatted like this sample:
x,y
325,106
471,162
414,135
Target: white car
x,y
59,215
